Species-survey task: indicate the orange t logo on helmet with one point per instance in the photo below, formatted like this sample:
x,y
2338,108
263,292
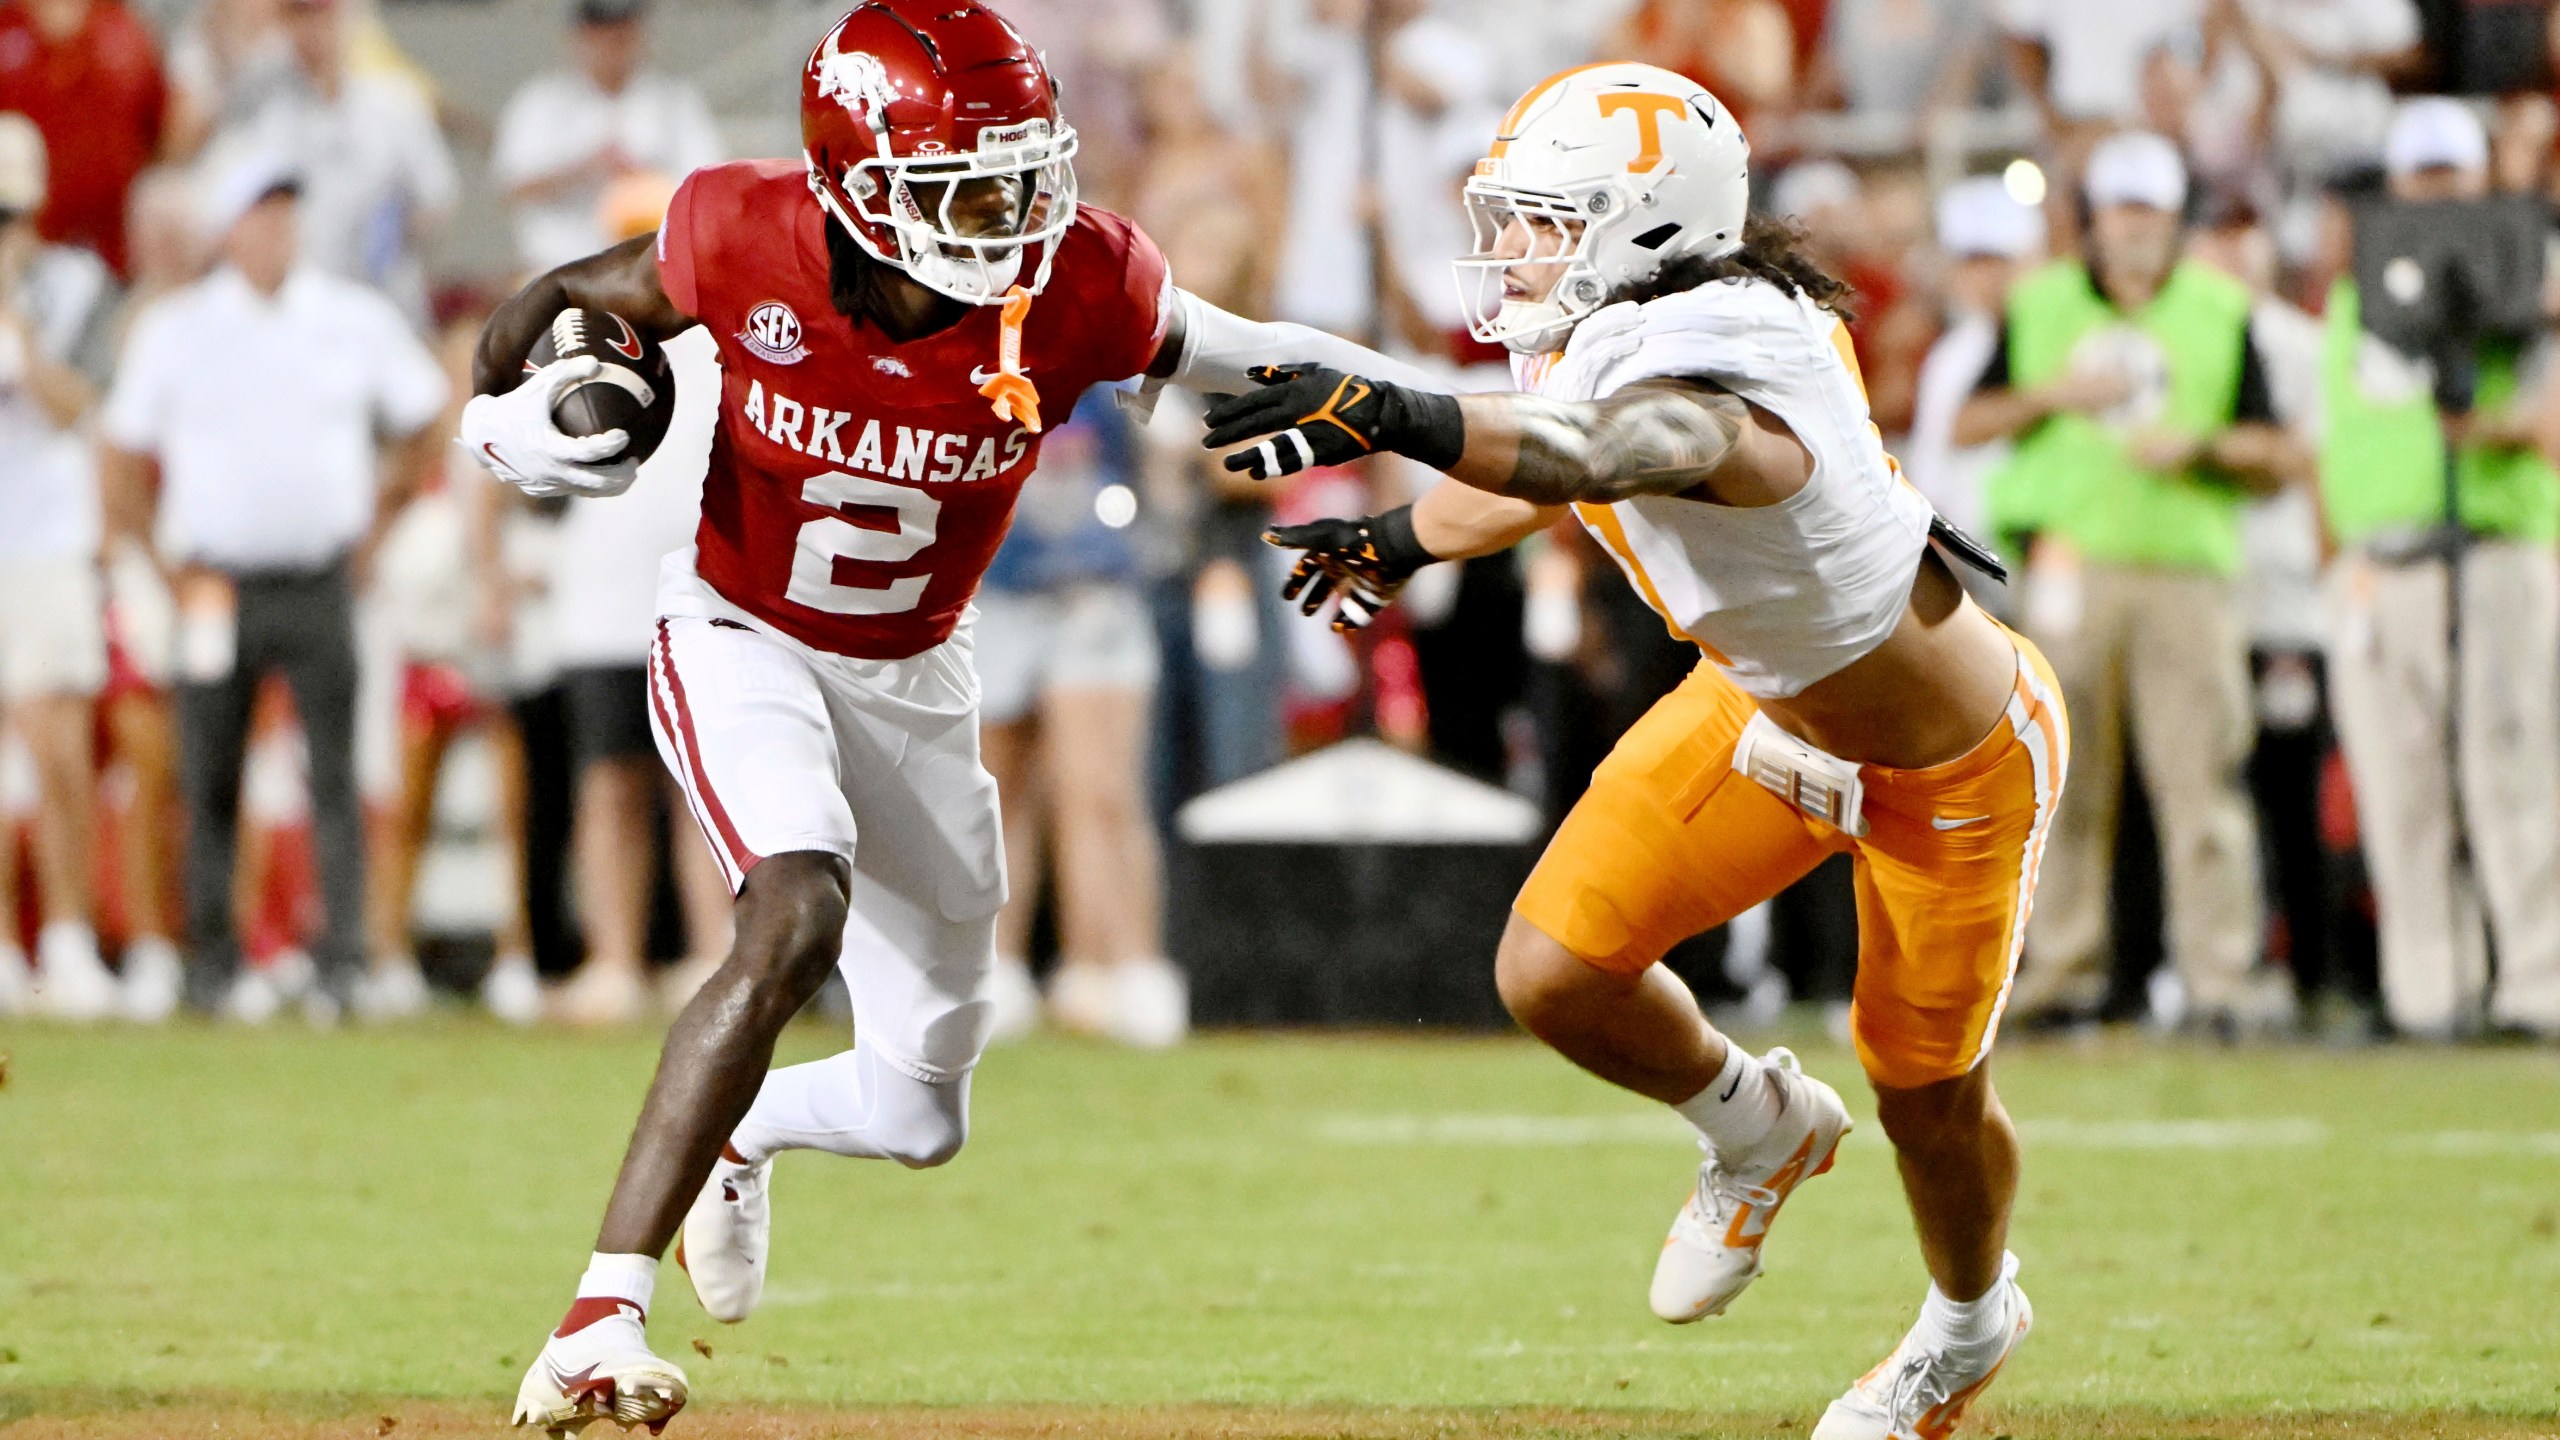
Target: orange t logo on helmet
x,y
1649,109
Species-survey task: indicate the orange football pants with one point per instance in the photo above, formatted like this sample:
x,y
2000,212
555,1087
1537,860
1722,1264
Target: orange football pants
x,y
1670,841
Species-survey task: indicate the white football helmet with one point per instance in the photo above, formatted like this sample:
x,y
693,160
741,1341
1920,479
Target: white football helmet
x,y
1616,169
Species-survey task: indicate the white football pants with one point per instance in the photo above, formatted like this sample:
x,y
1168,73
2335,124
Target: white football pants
x,y
778,748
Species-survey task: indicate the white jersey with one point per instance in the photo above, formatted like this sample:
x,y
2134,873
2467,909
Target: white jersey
x,y
1779,596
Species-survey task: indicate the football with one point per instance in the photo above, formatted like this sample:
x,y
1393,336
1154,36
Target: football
x,y
635,392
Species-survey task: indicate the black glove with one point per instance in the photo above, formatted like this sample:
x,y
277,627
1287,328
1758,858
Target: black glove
x,y
1364,561
1314,416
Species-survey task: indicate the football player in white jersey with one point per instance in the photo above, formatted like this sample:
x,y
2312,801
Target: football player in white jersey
x,y
1688,390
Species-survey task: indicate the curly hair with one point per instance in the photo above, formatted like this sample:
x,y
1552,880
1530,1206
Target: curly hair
x,y
1772,251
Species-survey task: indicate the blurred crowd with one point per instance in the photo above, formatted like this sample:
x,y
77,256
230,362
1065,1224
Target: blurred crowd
x,y
304,711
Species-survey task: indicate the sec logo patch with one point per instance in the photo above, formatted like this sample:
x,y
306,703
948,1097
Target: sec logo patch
x,y
773,333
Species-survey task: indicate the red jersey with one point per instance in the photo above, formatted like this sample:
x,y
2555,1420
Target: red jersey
x,y
859,486
99,99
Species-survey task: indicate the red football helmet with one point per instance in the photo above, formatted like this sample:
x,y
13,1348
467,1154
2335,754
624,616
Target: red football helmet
x,y
932,133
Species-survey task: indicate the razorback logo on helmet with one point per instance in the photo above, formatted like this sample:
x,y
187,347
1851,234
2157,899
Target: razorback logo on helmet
x,y
912,110
773,332
858,81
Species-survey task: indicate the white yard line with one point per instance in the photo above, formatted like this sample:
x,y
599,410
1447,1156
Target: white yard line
x,y
2250,1134
2265,1132
1502,1130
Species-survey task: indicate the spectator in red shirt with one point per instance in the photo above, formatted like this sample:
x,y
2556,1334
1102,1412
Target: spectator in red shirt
x,y
86,72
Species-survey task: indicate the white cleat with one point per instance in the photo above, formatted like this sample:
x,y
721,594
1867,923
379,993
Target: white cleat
x,y
1713,1251
154,981
1013,1001
513,990
1141,1003
727,1235
597,994
1152,1009
252,999
1082,995
72,982
1919,1393
395,990
602,1370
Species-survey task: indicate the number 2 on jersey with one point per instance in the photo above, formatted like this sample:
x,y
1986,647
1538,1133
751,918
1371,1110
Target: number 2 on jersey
x,y
830,538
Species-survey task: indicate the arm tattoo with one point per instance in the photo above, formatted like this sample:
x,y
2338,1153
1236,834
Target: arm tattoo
x,y
1645,440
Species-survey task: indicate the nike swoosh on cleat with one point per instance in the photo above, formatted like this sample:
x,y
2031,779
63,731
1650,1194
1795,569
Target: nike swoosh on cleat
x,y
1955,822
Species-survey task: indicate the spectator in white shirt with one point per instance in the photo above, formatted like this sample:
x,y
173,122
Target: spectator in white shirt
x,y
53,656
2081,61
377,179
2330,62
1318,50
1437,100
567,135
260,394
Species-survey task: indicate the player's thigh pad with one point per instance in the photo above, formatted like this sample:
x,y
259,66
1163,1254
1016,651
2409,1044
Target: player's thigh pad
x,y
907,758
1668,841
1946,880
742,720
918,981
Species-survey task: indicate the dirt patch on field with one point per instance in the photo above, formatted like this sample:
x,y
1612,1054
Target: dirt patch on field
x,y
99,1417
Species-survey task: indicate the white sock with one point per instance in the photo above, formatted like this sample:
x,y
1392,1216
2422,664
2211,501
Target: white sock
x,y
1959,1326
620,1277
1739,1106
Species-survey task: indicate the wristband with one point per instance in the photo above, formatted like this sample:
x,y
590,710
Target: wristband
x,y
1427,426
1391,534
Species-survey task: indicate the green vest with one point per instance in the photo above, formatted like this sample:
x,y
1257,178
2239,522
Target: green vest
x,y
2069,475
2382,462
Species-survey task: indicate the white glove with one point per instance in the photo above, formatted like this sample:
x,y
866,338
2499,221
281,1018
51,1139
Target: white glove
x,y
515,436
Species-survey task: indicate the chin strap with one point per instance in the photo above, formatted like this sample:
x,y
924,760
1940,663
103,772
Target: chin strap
x,y
1013,395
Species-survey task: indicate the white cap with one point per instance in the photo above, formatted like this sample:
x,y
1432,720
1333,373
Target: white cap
x,y
22,164
237,182
2435,132
1812,185
1978,217
2136,168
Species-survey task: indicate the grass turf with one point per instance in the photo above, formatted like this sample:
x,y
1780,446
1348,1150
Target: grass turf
x,y
1259,1236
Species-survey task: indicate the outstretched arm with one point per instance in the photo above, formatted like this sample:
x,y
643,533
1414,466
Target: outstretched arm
x,y
1656,437
1459,522
1214,352
1367,561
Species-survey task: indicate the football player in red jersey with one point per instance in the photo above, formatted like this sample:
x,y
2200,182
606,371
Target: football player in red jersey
x,y
896,311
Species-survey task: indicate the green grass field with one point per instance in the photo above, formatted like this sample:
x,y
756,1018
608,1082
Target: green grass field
x,y
207,1230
